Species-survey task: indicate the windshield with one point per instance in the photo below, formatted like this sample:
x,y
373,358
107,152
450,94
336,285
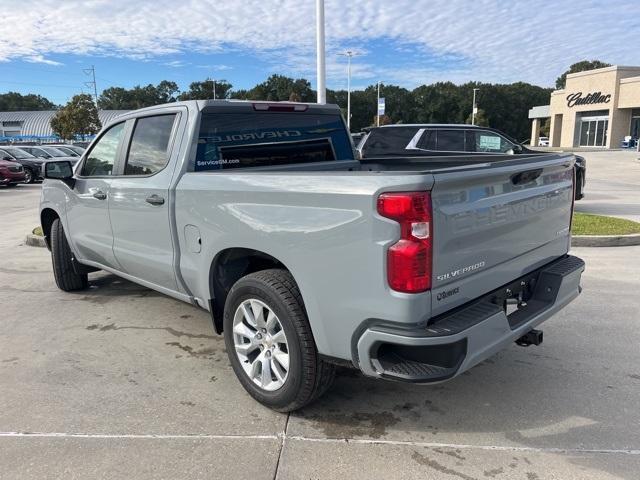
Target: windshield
x,y
67,151
16,152
54,152
5,153
78,150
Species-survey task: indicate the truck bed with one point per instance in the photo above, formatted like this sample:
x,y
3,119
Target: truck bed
x,y
409,165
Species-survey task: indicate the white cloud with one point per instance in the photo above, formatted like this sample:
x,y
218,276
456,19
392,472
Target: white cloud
x,y
176,64
40,59
500,41
217,68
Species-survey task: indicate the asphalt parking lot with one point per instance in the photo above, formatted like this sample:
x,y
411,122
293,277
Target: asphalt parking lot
x,y
121,382
613,179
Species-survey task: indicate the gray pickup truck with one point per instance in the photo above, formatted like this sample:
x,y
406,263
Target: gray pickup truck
x,y
411,270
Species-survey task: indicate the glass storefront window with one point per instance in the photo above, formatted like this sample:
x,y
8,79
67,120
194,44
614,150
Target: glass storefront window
x,y
593,131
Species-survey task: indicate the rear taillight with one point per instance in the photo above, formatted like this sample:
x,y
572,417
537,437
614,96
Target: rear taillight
x,y
409,259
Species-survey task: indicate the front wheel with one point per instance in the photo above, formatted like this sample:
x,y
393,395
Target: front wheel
x,y
270,344
28,176
66,277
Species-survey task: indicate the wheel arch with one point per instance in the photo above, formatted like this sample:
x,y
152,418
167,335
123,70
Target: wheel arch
x,y
227,267
47,217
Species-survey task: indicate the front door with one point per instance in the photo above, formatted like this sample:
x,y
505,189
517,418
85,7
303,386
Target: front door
x,y
139,203
87,211
593,132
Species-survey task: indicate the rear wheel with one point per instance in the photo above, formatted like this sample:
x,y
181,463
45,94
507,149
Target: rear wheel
x,y
66,277
270,344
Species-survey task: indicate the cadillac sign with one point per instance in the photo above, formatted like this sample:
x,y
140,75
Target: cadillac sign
x,y
591,98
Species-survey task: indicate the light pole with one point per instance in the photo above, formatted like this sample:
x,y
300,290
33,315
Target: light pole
x,y
474,108
378,106
348,54
214,88
320,53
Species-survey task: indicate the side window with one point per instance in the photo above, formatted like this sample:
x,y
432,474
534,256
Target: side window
x,y
450,141
486,141
149,142
102,157
428,140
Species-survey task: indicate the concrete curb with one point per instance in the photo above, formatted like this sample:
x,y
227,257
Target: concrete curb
x,y
35,241
605,240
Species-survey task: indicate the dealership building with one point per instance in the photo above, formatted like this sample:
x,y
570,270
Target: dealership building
x,y
599,108
34,126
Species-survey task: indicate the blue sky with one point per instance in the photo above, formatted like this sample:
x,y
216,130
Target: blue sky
x,y
405,42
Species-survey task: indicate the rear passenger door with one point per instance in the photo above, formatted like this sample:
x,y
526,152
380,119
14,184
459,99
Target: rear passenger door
x,y
443,141
139,204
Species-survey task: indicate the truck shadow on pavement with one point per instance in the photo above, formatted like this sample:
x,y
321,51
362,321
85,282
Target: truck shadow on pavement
x,y
522,397
104,286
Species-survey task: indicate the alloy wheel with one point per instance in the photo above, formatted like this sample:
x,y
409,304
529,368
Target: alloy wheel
x,y
261,344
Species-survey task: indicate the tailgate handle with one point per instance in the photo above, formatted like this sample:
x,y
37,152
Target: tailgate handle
x,y
526,177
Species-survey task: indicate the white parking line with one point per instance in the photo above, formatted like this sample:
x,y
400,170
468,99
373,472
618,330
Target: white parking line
x,y
464,446
357,441
135,436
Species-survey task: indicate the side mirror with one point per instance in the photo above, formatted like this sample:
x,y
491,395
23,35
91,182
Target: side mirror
x,y
60,170
517,149
7,158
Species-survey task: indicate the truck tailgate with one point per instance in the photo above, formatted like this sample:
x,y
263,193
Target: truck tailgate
x,y
497,222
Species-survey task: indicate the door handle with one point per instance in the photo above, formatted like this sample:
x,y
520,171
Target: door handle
x,y
100,195
155,200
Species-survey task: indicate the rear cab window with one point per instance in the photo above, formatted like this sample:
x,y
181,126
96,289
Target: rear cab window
x,y
261,139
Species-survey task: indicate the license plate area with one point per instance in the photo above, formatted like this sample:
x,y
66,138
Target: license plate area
x,y
514,298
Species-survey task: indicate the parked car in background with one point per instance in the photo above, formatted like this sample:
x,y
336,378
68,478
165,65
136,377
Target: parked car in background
x,y
543,141
428,140
11,173
46,152
32,165
69,150
76,148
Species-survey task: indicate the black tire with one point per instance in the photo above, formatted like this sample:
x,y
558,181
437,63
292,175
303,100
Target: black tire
x,y
29,176
66,277
309,376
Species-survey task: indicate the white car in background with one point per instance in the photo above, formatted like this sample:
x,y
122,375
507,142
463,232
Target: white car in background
x,y
543,141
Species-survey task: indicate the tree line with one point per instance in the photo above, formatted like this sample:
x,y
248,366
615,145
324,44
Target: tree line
x,y
502,106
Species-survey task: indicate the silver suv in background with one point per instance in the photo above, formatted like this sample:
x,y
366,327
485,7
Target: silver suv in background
x,y
417,140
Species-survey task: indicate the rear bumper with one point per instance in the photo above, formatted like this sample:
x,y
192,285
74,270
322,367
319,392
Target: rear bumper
x,y
456,341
